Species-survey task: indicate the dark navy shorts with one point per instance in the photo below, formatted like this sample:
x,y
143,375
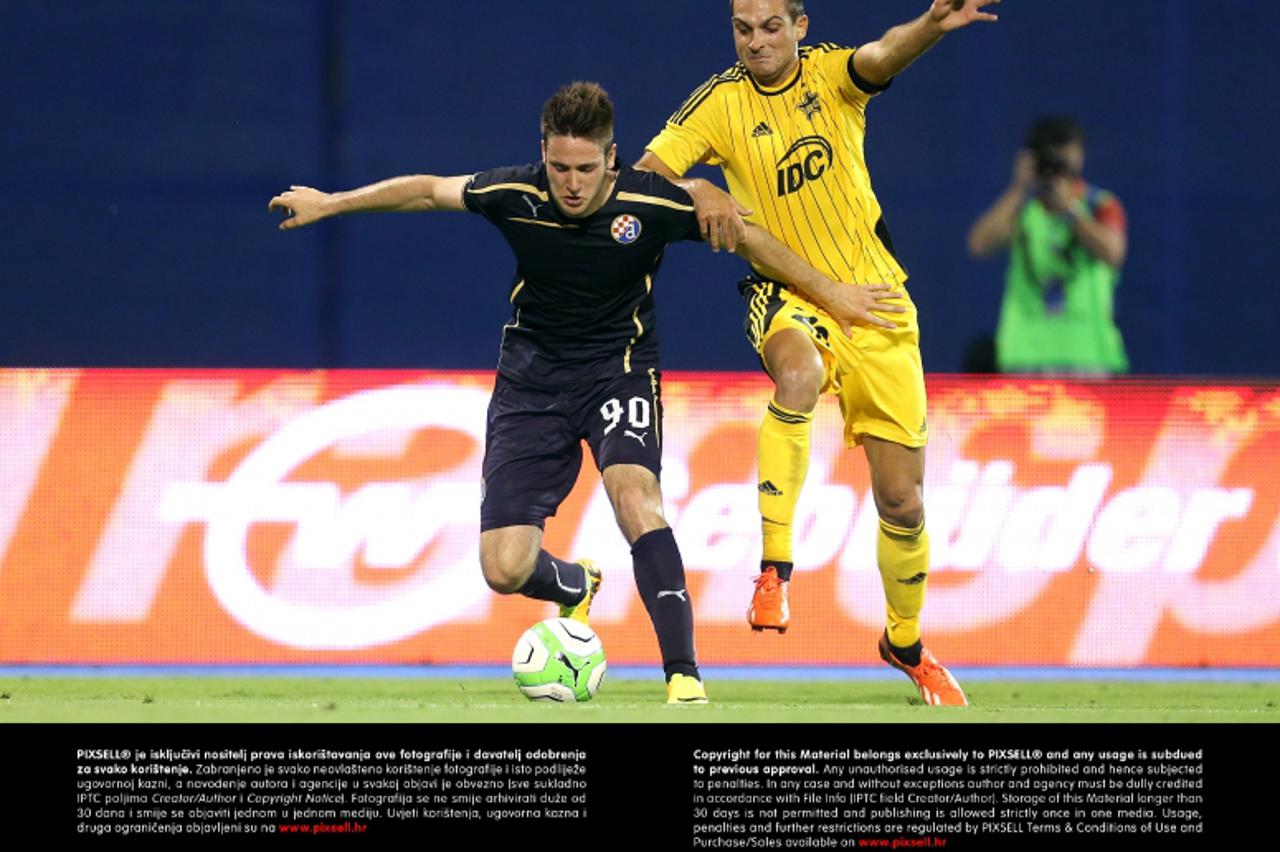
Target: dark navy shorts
x,y
533,441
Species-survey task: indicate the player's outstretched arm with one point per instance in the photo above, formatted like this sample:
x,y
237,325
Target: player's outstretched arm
x,y
719,213
847,304
303,205
880,61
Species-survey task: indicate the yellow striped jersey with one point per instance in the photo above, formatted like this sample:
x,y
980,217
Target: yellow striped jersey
x,y
794,155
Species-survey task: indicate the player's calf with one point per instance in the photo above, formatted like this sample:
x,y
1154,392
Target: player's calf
x,y
513,562
659,573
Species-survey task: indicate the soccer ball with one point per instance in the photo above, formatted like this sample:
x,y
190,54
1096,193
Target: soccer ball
x,y
558,660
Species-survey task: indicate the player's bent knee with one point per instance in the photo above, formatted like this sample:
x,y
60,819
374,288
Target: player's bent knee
x,y
799,381
508,556
794,362
901,507
505,576
799,375
501,581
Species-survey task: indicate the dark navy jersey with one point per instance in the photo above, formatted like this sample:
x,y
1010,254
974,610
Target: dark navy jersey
x,y
583,288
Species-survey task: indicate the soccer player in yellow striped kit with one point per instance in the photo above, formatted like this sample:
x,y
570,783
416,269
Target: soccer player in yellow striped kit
x,y
786,124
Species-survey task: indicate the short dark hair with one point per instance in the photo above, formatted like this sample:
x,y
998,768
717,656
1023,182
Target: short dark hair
x,y
1050,131
795,8
579,109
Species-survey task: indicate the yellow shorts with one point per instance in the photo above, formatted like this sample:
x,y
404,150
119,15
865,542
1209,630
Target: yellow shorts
x,y
877,374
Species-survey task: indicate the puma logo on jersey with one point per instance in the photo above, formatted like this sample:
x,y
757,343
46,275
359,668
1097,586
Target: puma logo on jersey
x,y
629,434
914,581
533,207
762,129
678,593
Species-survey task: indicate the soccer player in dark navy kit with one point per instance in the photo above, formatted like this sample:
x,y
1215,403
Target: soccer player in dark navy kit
x,y
579,358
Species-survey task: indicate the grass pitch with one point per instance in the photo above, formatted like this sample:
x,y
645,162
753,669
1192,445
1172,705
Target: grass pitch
x,y
399,700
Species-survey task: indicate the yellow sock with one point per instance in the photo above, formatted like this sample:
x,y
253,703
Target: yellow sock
x,y
782,454
903,557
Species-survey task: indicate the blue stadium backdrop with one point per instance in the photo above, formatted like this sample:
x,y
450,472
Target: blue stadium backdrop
x,y
143,139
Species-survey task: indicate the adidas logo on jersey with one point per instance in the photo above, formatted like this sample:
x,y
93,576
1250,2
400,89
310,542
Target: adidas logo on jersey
x,y
770,489
762,129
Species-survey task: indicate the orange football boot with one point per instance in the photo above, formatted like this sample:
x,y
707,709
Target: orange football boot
x,y
769,609
937,686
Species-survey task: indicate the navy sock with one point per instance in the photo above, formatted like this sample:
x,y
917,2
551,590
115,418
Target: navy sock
x,y
659,574
909,655
783,569
555,580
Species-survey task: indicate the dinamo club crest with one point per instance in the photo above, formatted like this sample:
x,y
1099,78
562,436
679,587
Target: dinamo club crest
x,y
626,229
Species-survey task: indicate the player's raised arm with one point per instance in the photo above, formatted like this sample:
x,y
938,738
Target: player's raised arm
x,y
880,61
847,304
303,205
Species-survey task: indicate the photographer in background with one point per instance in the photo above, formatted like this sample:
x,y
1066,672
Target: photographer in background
x,y
1066,242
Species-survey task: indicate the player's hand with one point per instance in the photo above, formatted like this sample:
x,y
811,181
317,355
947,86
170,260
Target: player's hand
x,y
719,215
857,304
951,15
301,205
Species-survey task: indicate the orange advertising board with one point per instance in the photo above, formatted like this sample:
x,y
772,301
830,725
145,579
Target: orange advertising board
x,y
169,516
